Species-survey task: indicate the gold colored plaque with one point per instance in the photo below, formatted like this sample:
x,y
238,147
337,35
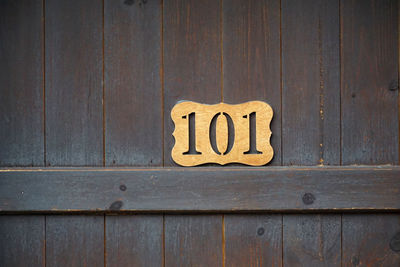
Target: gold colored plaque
x,y
222,133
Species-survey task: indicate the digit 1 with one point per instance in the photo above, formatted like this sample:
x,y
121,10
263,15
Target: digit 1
x,y
192,135
252,134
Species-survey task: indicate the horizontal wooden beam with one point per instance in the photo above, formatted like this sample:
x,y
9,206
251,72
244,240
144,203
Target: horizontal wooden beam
x,y
273,189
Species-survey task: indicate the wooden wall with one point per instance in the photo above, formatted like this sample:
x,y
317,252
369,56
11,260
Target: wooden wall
x,y
92,83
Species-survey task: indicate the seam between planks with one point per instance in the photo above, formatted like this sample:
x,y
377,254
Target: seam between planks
x,y
223,241
44,78
340,83
281,78
163,240
341,239
340,118
103,91
398,76
162,85
221,36
105,240
282,243
45,240
321,94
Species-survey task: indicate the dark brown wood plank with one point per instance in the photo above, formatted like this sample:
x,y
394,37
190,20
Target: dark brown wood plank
x,y
134,240
21,83
133,105
193,240
22,241
311,83
312,240
192,58
201,189
251,58
74,240
311,121
253,240
370,119
74,131
370,129
371,240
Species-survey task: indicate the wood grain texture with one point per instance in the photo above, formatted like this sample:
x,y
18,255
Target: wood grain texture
x,y
311,121
251,58
311,87
21,83
193,240
312,240
253,240
74,240
22,241
74,134
134,240
202,189
369,118
370,131
370,82
371,240
192,58
133,105
250,133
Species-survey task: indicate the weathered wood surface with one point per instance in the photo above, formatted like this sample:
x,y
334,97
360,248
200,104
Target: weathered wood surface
x,y
74,240
312,240
132,89
370,130
311,120
73,71
370,71
371,240
310,82
21,83
201,189
134,240
22,240
193,240
282,52
253,240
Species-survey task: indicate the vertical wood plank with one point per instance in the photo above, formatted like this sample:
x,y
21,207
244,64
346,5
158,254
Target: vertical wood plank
x,y
311,84
133,105
312,240
21,83
74,134
192,58
370,130
370,82
371,240
74,240
253,240
311,120
134,240
251,58
22,241
193,240
370,118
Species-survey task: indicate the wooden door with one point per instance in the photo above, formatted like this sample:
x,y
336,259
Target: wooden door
x,y
87,87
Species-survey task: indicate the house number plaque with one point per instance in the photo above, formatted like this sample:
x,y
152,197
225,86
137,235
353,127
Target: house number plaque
x,y
222,133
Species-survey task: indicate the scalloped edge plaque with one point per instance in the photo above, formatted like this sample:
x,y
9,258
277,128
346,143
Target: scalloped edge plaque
x,y
222,133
